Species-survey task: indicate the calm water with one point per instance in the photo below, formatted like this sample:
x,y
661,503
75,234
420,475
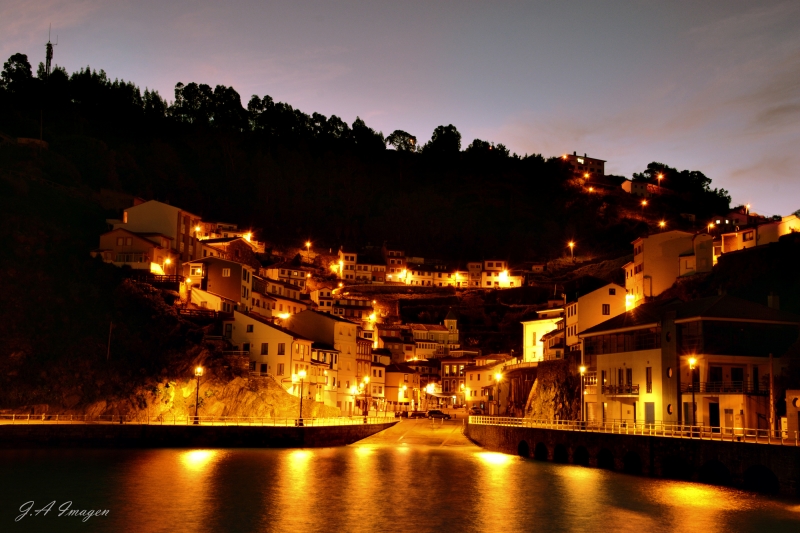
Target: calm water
x,y
361,488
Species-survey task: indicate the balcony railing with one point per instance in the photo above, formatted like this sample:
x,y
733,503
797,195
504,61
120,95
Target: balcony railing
x,y
621,390
726,387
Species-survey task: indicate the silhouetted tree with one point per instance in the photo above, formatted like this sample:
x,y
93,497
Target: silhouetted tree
x,y
445,140
402,141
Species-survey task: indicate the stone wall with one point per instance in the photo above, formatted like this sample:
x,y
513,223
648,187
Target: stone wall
x,y
759,467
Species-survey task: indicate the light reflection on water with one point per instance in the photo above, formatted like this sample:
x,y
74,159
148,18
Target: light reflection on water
x,y
363,488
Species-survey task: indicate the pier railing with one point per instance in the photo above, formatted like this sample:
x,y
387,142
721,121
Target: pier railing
x,y
183,420
651,429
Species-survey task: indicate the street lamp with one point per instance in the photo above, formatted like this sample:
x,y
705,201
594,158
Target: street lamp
x,y
644,204
353,391
583,371
692,363
365,385
571,245
308,251
662,225
497,379
659,178
302,375
167,262
198,372
710,227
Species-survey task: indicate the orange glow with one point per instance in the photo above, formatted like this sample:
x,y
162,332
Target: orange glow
x,y
308,244
167,261
571,244
198,371
498,377
591,189
197,460
248,236
662,224
586,175
583,369
494,458
197,229
644,202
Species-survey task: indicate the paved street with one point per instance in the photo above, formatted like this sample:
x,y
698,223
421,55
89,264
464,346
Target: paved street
x,y
421,432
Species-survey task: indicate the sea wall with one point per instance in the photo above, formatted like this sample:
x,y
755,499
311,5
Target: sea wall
x,y
760,467
180,436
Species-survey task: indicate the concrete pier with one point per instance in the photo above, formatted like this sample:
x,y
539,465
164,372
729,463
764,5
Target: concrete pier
x,y
155,436
768,468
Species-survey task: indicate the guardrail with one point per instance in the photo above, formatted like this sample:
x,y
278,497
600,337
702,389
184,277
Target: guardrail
x,y
653,429
726,387
184,420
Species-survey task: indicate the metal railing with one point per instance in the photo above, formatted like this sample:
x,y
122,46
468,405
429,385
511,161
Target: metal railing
x,y
726,387
188,420
621,390
651,429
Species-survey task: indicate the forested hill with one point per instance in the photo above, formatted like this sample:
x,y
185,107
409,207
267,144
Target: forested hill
x,y
295,175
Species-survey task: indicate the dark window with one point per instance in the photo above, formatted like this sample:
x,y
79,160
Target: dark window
x,y
649,372
249,328
606,309
281,348
246,347
612,292
264,348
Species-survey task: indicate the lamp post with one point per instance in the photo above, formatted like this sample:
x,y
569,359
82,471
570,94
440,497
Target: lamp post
x,y
353,391
644,204
659,178
692,363
308,251
198,372
167,262
662,225
405,389
571,245
583,371
302,375
365,384
497,379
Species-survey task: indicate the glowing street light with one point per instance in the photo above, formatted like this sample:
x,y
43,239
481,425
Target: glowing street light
x,y
308,251
710,227
571,245
583,371
659,178
198,372
662,225
692,363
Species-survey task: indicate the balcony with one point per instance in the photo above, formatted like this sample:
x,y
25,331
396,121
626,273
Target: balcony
x,y
621,390
726,387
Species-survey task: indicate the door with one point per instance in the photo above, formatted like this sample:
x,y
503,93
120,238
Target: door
x,y
713,417
649,412
228,330
715,379
728,420
737,379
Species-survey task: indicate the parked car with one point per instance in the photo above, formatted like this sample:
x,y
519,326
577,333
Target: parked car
x,y
475,411
417,414
401,414
435,413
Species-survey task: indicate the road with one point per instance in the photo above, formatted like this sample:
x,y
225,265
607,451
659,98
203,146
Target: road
x,y
421,432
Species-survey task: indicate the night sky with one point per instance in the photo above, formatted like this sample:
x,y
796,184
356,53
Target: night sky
x,y
710,86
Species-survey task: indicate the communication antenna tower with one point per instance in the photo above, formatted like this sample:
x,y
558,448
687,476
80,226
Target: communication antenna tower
x,y
49,52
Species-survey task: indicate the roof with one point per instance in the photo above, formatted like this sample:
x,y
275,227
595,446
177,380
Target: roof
x,y
428,327
381,351
451,315
262,320
323,346
391,339
583,286
400,367
714,307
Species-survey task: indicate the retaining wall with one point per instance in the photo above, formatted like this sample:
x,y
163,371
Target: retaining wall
x,y
760,467
153,436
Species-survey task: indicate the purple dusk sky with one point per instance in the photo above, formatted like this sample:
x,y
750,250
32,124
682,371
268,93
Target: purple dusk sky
x,y
711,86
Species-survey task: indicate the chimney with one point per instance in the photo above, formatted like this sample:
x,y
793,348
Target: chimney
x,y
575,152
774,301
584,154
